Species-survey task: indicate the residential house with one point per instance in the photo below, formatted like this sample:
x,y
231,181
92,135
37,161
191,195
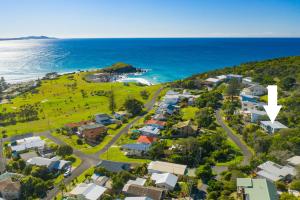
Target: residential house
x,y
89,191
247,81
294,161
212,82
99,180
139,149
150,131
275,172
166,167
114,166
150,192
255,90
185,129
121,115
166,109
138,198
247,105
104,119
250,98
165,180
52,164
28,155
256,189
74,126
93,133
156,123
46,152
143,139
272,127
10,187
27,144
160,117
172,93
254,115
234,76
137,181
221,77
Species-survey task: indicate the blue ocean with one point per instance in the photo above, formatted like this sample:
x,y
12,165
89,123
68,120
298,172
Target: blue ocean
x,y
166,59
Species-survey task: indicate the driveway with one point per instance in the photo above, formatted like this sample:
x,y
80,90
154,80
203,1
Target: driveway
x,y
245,150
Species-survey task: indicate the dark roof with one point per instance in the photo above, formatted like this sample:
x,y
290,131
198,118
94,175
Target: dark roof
x,y
138,147
113,166
151,192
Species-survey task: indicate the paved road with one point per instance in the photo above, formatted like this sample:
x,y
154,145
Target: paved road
x,y
2,157
246,152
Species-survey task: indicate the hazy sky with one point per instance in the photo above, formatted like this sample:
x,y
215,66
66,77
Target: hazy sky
x,y
150,18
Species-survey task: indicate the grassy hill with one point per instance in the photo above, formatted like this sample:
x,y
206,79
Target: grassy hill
x,y
69,99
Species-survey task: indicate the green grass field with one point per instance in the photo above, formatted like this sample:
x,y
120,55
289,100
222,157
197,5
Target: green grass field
x,y
189,112
62,102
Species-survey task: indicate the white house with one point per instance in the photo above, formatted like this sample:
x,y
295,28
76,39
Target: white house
x,y
137,181
255,115
52,164
212,81
89,191
150,131
272,127
165,180
166,167
247,81
275,172
27,143
234,76
254,90
294,161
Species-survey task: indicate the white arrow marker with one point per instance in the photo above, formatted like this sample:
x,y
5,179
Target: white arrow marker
x,y
272,108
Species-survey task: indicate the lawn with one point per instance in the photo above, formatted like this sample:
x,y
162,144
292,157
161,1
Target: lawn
x,y
189,112
238,159
115,154
70,99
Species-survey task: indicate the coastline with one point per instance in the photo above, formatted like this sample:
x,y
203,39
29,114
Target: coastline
x,y
132,77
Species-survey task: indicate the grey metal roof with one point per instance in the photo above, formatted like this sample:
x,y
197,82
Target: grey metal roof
x,y
138,147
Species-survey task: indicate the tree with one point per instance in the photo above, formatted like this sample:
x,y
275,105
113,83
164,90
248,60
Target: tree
x,y
157,150
233,88
144,94
133,106
33,188
287,196
64,150
3,85
288,83
204,172
295,185
205,117
120,179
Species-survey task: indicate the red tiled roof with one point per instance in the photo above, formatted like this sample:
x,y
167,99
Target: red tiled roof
x,y
78,124
146,139
153,121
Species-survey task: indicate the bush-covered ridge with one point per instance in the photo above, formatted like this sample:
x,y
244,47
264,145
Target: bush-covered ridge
x,y
265,72
120,68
